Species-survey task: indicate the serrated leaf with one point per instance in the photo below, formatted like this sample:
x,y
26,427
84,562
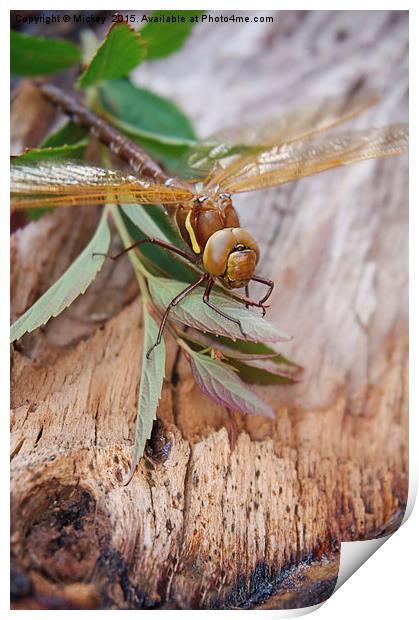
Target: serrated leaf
x,y
162,38
67,151
254,369
258,348
72,283
192,311
152,375
242,350
222,384
31,56
120,52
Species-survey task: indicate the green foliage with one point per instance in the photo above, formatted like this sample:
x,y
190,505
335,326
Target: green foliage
x,y
156,123
193,312
32,56
72,283
252,367
120,53
255,350
153,221
149,115
152,375
260,376
69,133
144,217
163,38
67,151
36,213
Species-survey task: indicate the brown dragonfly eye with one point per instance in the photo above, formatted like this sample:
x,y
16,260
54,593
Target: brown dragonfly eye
x,y
232,254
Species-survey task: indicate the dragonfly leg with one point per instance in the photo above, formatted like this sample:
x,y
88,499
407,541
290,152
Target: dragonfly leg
x,y
257,304
268,283
251,303
206,301
172,304
159,242
246,292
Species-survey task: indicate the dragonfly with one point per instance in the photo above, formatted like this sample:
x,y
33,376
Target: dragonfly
x,y
232,161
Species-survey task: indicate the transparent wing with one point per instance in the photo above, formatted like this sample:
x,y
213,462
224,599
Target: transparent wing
x,y
290,126
66,183
289,162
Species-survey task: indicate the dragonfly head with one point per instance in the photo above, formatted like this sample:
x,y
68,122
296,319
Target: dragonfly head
x,y
231,254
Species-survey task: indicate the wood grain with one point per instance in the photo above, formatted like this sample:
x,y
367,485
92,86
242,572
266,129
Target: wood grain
x,y
244,512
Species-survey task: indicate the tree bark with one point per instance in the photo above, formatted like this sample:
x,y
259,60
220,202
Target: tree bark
x,y
243,512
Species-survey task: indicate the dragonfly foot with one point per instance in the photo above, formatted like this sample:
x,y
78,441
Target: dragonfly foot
x,y
242,330
263,309
151,349
103,254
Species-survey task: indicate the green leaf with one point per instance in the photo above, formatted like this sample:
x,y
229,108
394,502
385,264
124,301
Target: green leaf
x,y
260,376
222,384
36,213
72,283
171,156
255,349
69,133
68,151
192,311
150,221
152,375
156,123
30,55
150,115
240,349
162,36
120,53
144,218
255,369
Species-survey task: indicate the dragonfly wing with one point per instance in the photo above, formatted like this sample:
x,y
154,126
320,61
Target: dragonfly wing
x,y
289,162
68,183
290,126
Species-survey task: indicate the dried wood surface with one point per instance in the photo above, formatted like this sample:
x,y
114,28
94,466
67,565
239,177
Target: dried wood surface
x,y
240,503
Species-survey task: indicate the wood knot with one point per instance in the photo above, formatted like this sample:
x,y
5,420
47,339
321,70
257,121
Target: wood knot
x,y
62,531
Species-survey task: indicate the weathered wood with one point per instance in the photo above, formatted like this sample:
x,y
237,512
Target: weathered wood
x,y
240,502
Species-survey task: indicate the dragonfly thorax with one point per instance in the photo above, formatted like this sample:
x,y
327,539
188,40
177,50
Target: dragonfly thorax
x,y
211,228
207,215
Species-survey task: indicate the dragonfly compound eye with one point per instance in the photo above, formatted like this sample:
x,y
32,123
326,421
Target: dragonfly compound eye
x,y
231,254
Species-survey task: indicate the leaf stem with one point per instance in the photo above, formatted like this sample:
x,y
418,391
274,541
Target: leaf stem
x,y
184,346
140,271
